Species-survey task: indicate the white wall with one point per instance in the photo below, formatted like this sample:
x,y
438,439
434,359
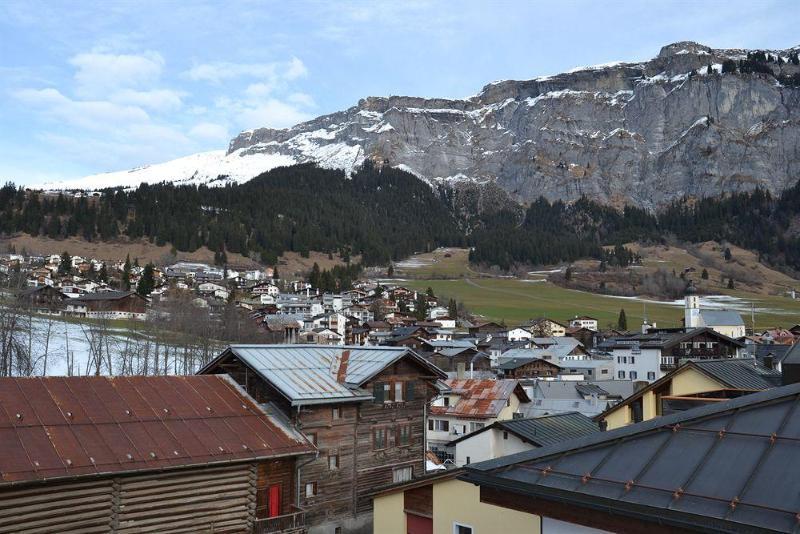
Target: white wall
x,y
488,445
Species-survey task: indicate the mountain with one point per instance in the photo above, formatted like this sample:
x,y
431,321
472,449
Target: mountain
x,y
692,121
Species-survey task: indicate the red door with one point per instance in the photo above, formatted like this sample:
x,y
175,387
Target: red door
x,y
416,524
274,500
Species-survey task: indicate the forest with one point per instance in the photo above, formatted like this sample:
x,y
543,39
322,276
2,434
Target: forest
x,y
385,214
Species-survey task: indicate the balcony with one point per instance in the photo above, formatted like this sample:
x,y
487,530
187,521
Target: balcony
x,y
294,523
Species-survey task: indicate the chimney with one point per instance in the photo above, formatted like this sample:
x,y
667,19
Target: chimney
x,y
461,370
768,361
603,425
341,373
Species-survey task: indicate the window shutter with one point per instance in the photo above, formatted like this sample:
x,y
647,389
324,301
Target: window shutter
x,y
377,392
410,390
430,424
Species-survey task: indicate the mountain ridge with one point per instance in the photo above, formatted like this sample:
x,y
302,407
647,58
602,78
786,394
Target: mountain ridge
x,y
640,133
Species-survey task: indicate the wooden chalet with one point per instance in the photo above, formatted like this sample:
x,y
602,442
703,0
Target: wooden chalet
x,y
108,305
486,327
163,454
45,299
451,359
364,408
529,368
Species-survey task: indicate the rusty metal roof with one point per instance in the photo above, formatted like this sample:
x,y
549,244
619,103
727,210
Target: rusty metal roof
x,y
480,399
307,374
59,427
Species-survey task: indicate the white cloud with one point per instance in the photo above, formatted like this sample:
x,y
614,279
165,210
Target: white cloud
x,y
302,99
98,72
89,114
271,113
275,72
157,99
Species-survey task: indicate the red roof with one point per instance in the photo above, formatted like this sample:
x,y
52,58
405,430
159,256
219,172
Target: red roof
x,y
480,399
77,426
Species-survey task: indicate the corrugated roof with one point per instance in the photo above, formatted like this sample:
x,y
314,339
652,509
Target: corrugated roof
x,y
550,429
740,373
79,426
106,295
479,399
307,373
729,466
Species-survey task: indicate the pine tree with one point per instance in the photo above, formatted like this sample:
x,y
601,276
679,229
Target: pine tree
x,y
126,274
452,309
275,275
421,311
568,274
429,292
390,271
147,281
103,274
727,254
704,274
65,265
622,320
731,285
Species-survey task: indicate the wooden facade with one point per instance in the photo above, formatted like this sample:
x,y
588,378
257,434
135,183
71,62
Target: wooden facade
x,y
362,445
469,358
535,368
197,499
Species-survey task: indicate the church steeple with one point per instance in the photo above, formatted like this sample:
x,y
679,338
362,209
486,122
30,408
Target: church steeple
x,y
691,307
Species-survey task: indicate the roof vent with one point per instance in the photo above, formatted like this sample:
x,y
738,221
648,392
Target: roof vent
x,y
19,417
152,454
129,456
127,412
68,462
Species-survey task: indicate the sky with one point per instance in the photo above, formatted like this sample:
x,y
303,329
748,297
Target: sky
x,y
97,86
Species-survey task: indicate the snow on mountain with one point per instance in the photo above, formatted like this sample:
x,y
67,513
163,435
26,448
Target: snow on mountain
x,y
211,168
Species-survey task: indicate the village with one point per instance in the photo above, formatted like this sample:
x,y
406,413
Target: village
x,y
378,408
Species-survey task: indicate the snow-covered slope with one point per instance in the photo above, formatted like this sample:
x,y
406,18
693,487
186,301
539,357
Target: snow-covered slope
x,y
212,168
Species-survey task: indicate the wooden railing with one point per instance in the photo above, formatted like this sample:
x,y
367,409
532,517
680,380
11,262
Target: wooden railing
x,y
294,522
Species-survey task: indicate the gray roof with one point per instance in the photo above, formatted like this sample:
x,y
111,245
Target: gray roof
x,y
740,373
550,429
306,374
726,467
721,318
105,295
777,351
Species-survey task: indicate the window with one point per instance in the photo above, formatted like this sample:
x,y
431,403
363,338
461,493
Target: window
x,y
624,359
312,437
603,371
447,401
403,436
377,392
336,413
634,375
440,425
378,438
469,460
458,528
621,374
402,474
505,435
475,426
410,387
333,461
633,359
398,391
311,489
651,375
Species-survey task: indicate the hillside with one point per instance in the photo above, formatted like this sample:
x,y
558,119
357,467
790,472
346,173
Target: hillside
x,y
692,121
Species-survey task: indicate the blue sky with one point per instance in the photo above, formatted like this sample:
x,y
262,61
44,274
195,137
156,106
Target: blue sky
x,y
88,87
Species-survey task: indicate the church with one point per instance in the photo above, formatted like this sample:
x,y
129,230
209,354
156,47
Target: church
x,y
726,322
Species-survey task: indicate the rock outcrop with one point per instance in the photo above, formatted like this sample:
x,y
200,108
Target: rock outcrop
x,y
642,133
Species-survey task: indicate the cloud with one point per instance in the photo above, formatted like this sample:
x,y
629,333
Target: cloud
x,y
89,114
274,72
98,72
157,99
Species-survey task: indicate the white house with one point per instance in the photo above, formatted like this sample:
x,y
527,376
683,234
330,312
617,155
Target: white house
x,y
583,321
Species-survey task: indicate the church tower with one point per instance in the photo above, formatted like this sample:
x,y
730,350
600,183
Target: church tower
x,y
691,307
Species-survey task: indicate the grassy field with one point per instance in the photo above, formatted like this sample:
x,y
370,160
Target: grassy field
x,y
517,300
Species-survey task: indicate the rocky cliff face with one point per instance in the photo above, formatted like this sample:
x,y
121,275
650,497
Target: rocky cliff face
x,y
641,133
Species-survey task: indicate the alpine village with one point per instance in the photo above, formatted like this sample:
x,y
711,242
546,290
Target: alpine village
x,y
566,304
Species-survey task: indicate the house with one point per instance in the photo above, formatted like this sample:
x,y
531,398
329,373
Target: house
x,y
44,299
543,327
470,405
108,305
144,454
530,367
583,321
363,407
725,467
502,438
451,359
563,396
587,337
485,327
442,503
320,336
693,384
650,356
265,288
726,322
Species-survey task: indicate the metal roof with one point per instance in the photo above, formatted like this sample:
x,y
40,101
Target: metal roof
x,y
60,427
306,374
721,318
106,295
740,373
550,429
726,467
479,398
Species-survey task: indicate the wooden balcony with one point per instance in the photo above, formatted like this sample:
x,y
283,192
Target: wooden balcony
x,y
294,523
